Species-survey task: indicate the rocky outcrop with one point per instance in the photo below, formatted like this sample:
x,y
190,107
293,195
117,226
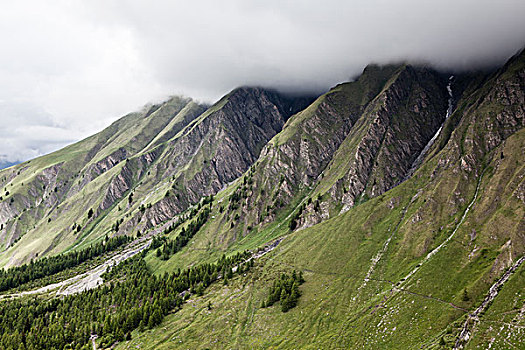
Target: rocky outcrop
x,y
295,159
118,186
218,147
103,165
397,126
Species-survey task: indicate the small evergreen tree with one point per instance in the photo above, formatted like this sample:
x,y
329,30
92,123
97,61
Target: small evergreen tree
x,y
465,295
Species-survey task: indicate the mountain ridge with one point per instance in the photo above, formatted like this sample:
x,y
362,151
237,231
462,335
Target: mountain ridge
x,y
118,158
393,255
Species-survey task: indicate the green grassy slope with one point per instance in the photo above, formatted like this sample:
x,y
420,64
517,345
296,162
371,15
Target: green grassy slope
x,y
399,271
339,309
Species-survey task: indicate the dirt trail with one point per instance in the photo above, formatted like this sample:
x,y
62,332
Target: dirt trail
x,y
267,248
93,278
87,280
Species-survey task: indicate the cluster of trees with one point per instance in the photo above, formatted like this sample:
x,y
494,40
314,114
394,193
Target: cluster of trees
x,y
134,298
285,290
170,247
116,225
241,192
235,198
16,276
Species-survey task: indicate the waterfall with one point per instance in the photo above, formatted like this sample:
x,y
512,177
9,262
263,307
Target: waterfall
x,y
423,153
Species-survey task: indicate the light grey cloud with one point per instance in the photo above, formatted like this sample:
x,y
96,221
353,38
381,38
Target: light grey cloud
x,y
27,132
68,68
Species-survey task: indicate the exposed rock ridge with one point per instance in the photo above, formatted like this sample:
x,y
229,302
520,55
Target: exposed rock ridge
x,y
293,161
219,148
400,123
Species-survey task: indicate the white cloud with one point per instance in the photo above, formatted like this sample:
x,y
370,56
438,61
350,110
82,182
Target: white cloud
x,y
74,66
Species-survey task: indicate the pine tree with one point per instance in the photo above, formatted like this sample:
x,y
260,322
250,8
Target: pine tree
x,y
301,279
283,295
465,295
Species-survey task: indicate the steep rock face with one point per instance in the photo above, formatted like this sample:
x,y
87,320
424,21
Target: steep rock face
x,y
486,116
249,119
118,186
103,165
502,111
218,147
292,161
171,147
392,133
356,141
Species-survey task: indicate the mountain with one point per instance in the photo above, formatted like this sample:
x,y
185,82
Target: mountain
x,y
399,198
179,146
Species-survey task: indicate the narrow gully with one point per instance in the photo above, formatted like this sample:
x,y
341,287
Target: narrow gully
x,y
424,152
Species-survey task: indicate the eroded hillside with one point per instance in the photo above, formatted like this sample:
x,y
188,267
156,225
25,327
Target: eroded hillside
x,y
387,213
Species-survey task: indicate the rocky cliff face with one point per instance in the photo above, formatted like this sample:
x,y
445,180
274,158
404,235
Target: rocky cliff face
x,y
189,150
355,142
293,161
215,149
393,132
229,140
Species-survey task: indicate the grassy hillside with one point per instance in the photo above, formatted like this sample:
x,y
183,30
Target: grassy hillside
x,y
355,295
432,261
402,270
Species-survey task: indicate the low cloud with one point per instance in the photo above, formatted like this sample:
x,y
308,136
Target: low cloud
x,y
68,68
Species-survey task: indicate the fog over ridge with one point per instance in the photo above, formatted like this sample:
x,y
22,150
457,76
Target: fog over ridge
x,y
69,68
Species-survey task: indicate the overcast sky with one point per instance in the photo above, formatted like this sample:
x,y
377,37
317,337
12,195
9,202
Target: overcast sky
x,y
69,68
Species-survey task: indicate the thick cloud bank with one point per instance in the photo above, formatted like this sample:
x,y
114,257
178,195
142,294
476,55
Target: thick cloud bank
x,y
68,68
